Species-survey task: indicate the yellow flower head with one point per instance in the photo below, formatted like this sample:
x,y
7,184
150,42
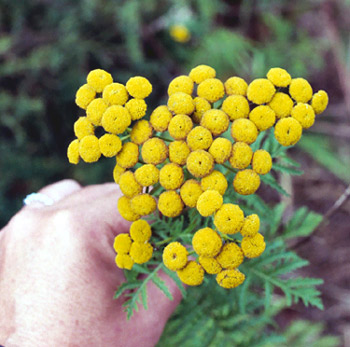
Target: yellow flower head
x,y
263,117
147,175
199,138
206,242
122,243
117,172
236,86
116,119
115,94
128,185
84,96
288,131
180,33
89,149
201,73
230,278
192,274
236,106
279,77
139,87
154,151
319,101
160,118
128,155
140,231
170,204
244,130
200,163
110,145
201,105
73,152
125,210
216,121
124,261
143,204
215,181
210,265
229,219
209,202
304,114
282,104
231,256
180,126
171,176
262,162
137,108
241,155
141,252
220,149
212,89
98,79
251,225
141,132
190,192
95,111
83,127
182,84
246,182
181,103
175,256
178,152
254,246
300,90
260,91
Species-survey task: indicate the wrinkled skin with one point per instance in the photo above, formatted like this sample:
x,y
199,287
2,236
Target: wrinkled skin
x,y
58,275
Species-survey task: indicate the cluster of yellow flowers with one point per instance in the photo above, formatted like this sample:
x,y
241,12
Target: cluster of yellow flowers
x,y
174,160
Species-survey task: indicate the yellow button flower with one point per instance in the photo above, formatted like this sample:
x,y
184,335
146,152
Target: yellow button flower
x,y
251,225
201,73
216,121
160,118
89,149
180,126
236,86
262,162
236,106
182,84
115,94
300,90
128,185
260,91
190,192
279,77
137,108
141,132
304,114
220,149
95,111
125,210
178,152
175,256
231,256
246,182
124,261
201,105
254,246
116,119
199,138
181,103
241,155
209,202
140,231
319,101
139,87
110,145
171,176
206,242
170,204
147,175
84,96
230,278
143,204
122,243
200,163
128,155
288,131
73,152
244,130
141,252
117,172
282,104
180,33
229,219
210,265
215,181
263,117
98,79
154,151
212,89
83,127
192,274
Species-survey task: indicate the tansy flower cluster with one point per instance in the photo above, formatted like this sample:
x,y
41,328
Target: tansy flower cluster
x,y
178,159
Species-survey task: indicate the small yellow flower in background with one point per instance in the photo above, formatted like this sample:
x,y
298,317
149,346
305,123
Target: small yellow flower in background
x,y
143,204
215,181
209,202
241,155
263,117
260,91
175,256
199,138
98,79
319,101
139,87
246,182
211,89
279,77
201,73
140,231
229,219
236,86
210,265
116,119
128,184
180,33
282,104
181,103
84,96
171,176
180,126
216,121
73,152
115,94
300,90
253,246
125,210
262,162
288,131
154,151
304,114
251,225
122,243
230,278
170,204
95,111
190,192
182,84
89,149
231,256
244,130
192,274
160,118
128,155
137,108
83,127
201,106
200,163
236,106
110,145
147,175
220,150
178,152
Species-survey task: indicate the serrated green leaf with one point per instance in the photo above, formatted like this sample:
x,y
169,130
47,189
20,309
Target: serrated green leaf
x,y
162,286
287,169
176,279
125,286
271,181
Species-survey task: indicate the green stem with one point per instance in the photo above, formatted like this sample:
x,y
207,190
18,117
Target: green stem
x,y
164,241
163,138
124,138
155,189
229,168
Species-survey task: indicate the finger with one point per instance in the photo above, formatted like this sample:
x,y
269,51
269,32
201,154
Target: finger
x,y
59,190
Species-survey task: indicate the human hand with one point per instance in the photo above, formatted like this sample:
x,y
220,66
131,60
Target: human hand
x,y
58,276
